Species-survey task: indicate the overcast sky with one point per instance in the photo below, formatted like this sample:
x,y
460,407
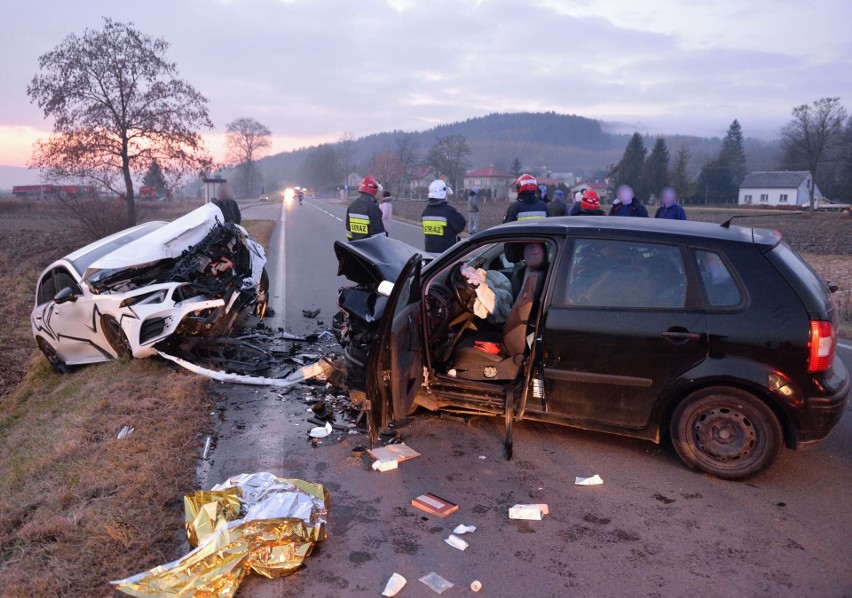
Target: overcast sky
x,y
312,69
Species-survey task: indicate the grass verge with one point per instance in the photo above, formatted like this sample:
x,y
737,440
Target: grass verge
x,y
79,507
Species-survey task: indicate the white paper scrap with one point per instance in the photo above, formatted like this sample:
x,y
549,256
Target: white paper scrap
x,y
456,542
385,464
320,431
464,529
394,585
529,512
595,480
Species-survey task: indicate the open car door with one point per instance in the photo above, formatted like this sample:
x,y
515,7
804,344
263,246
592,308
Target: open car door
x,y
395,367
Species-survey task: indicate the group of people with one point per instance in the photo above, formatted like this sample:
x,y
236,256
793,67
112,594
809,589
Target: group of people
x,y
442,223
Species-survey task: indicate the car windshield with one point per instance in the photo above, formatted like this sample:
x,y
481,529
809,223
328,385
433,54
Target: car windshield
x,y
82,263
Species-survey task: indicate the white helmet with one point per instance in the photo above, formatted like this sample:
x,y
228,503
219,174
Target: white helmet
x,y
438,189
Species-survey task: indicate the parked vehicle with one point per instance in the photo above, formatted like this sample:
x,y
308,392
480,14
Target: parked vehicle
x,y
128,293
719,337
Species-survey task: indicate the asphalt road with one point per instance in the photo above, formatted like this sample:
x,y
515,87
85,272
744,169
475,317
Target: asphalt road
x,y
653,528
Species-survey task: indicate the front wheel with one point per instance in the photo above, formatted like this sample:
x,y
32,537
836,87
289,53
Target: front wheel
x,y
726,432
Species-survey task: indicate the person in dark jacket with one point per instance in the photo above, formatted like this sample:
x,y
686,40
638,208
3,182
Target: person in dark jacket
x,y
473,210
528,206
364,217
670,208
558,207
627,204
575,208
442,223
590,205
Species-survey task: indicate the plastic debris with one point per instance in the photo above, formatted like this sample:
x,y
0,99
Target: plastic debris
x,y
396,452
321,368
385,465
282,519
436,583
595,480
464,529
529,512
125,432
483,457
394,585
456,542
320,431
206,448
311,313
475,585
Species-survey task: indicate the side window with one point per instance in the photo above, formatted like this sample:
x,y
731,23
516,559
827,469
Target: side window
x,y
606,273
719,286
47,289
62,279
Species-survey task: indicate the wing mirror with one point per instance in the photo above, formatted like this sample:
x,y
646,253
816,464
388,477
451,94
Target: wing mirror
x,y
385,288
64,296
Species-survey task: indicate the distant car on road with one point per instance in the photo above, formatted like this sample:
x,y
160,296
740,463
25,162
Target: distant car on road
x,y
125,294
264,198
720,338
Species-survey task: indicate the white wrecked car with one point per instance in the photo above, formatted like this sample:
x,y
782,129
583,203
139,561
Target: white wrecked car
x,y
155,282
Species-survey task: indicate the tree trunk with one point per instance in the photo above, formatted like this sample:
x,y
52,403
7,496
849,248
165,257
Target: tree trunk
x,y
128,186
811,185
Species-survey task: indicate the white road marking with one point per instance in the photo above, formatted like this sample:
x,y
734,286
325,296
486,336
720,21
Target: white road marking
x,y
843,345
279,290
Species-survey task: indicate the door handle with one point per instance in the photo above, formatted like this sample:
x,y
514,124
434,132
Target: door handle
x,y
680,336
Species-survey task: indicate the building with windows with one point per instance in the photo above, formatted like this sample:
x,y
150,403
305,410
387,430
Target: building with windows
x,y
776,188
489,177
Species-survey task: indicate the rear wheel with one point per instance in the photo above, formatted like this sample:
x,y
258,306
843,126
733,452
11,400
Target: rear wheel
x,y
726,432
115,337
58,366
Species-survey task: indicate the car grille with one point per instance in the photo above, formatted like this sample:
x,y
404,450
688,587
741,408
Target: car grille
x,y
152,328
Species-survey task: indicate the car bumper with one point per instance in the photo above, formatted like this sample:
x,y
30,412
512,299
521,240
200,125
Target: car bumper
x,y
822,413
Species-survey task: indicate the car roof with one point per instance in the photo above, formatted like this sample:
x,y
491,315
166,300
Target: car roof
x,y
567,225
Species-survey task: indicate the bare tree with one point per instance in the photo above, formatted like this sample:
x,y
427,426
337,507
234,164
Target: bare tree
x,y
408,154
345,155
449,158
388,169
117,105
813,135
247,140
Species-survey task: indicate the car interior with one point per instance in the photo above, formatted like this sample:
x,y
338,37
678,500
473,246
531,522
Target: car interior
x,y
480,308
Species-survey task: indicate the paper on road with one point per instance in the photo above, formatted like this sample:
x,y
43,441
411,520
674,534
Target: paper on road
x,y
595,480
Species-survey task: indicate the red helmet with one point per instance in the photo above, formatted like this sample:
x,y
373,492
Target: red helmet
x,y
369,185
526,183
591,200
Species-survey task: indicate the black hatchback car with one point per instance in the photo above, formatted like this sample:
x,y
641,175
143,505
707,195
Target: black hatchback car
x,y
719,337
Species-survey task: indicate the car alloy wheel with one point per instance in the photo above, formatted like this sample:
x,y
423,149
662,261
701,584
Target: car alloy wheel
x,y
115,337
726,432
58,366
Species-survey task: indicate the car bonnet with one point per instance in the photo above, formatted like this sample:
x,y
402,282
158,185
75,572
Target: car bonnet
x,y
168,241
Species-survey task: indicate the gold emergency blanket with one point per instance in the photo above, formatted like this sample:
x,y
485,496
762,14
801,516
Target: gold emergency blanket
x,y
252,522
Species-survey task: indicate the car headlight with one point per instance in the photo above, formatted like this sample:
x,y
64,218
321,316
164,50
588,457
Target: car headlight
x,y
145,298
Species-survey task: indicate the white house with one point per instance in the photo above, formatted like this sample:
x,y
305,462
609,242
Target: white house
x,y
488,178
776,188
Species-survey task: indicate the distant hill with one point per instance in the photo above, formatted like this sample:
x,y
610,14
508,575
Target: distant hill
x,y
561,142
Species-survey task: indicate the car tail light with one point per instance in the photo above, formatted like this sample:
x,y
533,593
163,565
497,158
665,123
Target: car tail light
x,y
822,345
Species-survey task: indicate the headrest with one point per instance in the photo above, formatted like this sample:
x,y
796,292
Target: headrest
x,y
535,255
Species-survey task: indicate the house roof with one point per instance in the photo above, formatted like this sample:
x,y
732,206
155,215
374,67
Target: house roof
x,y
776,179
489,172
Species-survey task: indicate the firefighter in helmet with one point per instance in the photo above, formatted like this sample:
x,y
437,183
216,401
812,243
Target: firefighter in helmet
x,y
364,217
442,223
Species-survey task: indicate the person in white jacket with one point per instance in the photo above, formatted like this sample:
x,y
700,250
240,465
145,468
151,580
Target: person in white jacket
x,y
387,210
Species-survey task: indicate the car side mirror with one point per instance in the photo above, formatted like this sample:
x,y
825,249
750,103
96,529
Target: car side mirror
x,y
65,295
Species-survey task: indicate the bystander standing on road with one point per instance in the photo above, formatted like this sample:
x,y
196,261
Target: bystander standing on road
x,y
590,205
670,208
363,217
386,206
575,208
558,207
627,204
473,210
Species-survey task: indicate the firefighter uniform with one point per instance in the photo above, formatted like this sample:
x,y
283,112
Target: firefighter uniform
x,y
442,225
364,218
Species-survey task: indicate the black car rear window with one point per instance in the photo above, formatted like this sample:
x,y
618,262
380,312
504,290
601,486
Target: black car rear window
x,y
810,287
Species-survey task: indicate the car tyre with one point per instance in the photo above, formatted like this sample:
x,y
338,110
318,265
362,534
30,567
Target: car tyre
x,y
115,337
726,432
58,366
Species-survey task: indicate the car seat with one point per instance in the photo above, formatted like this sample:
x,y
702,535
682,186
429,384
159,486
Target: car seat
x,y
472,363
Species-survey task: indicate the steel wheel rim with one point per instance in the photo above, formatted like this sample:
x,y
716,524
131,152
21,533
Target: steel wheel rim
x,y
725,434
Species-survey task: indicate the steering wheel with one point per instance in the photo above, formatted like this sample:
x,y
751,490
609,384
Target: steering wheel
x,y
438,301
462,289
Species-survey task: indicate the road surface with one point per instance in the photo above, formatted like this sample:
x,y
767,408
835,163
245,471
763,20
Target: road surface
x,y
653,528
